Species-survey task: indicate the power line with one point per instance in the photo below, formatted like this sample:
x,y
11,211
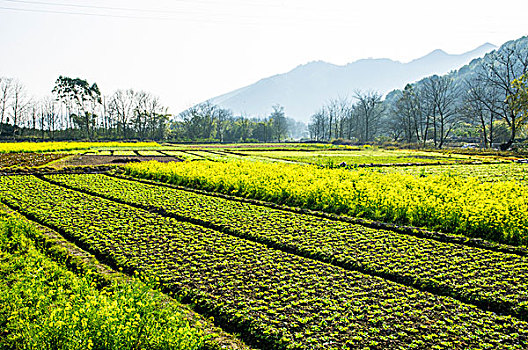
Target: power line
x,y
185,19
84,13
168,18
193,2
83,6
184,14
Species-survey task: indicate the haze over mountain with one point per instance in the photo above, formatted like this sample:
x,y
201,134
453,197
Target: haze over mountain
x,y
307,87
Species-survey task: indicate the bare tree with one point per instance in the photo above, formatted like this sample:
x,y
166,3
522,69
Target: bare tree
x,y
222,117
50,111
19,104
441,95
34,111
480,105
370,108
279,123
40,118
141,113
121,106
338,111
155,116
318,125
5,99
409,115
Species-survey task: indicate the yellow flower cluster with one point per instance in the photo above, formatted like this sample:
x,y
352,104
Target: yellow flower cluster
x,y
496,211
6,147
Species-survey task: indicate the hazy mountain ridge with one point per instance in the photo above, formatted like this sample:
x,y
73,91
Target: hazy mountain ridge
x,y
307,87
469,70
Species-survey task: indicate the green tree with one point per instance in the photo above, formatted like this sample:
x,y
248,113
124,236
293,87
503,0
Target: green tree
x,y
262,131
199,121
518,101
81,100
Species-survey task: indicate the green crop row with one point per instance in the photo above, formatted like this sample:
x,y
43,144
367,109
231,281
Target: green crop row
x,y
493,211
275,298
45,306
493,280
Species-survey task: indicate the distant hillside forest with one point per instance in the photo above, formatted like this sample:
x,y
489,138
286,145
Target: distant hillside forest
x,y
484,102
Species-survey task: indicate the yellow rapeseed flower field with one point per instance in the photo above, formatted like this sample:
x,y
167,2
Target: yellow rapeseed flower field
x,y
496,211
6,147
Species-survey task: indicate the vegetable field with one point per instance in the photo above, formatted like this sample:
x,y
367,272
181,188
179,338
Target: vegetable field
x,y
282,254
45,306
497,278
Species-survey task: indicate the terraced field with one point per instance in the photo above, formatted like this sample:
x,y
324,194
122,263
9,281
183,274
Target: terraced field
x,y
289,280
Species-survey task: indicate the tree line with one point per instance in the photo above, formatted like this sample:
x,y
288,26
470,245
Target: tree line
x,y
77,110
209,122
343,118
485,100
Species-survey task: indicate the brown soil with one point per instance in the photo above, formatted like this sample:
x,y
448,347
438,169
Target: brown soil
x,y
79,160
8,160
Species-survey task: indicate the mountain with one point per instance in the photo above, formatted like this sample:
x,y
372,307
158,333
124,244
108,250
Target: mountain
x,y
307,87
513,51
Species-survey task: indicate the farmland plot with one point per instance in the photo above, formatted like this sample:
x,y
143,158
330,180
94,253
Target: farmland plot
x,y
494,211
7,147
277,299
490,279
43,305
356,157
10,160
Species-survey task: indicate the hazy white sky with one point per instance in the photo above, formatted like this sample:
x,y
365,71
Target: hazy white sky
x,y
186,51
